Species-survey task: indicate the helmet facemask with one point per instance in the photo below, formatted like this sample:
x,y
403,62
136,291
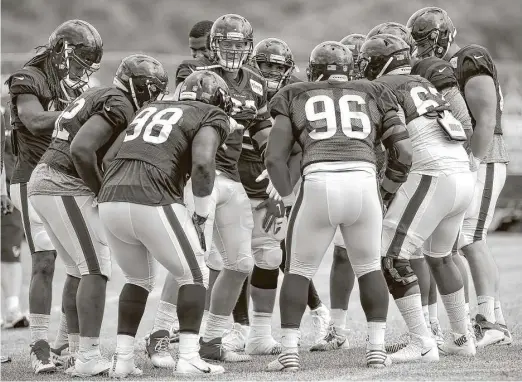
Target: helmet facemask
x,y
144,90
232,51
77,64
434,43
275,70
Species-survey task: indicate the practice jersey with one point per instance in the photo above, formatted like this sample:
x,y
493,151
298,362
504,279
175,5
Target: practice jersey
x,y
433,152
155,158
337,121
110,103
29,148
250,90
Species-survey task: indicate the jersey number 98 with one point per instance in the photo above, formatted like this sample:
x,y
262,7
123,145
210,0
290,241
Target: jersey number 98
x,y
349,119
150,119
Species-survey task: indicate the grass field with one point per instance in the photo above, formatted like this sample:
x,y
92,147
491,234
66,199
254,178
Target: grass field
x,y
494,363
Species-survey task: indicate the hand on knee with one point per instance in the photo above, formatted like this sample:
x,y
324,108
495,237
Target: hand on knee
x,y
399,276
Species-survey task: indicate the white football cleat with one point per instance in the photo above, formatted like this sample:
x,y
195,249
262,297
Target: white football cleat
x,y
508,338
122,366
235,338
89,367
422,349
332,341
263,345
285,362
487,333
459,344
196,366
321,323
437,332
41,361
157,348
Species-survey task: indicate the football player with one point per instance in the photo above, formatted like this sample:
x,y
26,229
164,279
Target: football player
x,y
337,123
429,207
354,42
230,221
39,91
166,141
199,40
68,179
434,34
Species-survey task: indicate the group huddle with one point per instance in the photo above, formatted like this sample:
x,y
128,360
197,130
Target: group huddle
x,y
392,149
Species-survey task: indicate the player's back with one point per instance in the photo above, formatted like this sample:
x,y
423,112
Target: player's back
x,y
155,157
108,102
423,108
335,122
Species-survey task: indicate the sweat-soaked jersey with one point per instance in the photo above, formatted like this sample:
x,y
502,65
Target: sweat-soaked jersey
x,y
250,90
27,147
110,103
422,105
475,60
155,158
337,121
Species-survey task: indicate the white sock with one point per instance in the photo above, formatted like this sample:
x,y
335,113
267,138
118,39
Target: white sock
x,y
74,343
89,347
261,324
165,316
434,315
486,307
411,310
455,308
426,313
216,325
203,326
39,326
499,316
62,337
338,318
290,340
376,331
12,304
124,344
188,345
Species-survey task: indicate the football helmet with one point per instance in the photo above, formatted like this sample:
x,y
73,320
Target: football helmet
x,y
143,77
76,51
275,61
433,32
208,87
381,54
232,41
354,42
330,60
396,29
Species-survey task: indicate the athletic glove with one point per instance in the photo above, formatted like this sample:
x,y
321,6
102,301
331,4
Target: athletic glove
x,y
275,209
199,224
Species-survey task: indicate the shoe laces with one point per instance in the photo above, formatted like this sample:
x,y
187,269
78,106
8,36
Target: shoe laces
x,y
162,345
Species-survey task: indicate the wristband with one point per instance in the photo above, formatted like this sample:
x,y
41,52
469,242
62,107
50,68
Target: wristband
x,y
202,205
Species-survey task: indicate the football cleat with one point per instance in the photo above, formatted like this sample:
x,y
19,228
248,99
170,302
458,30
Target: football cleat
x,y
174,332
41,361
486,332
16,321
122,366
263,345
84,367
5,358
157,348
215,351
321,323
235,338
285,362
422,349
458,344
376,357
401,343
196,366
58,355
332,341
508,338
437,332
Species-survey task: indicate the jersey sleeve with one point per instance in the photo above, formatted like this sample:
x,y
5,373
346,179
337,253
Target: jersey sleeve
x,y
476,61
117,110
219,121
280,104
389,106
26,82
439,72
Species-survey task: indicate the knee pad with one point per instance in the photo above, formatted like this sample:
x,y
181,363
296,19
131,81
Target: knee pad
x,y
244,264
267,252
363,269
436,255
264,278
214,260
399,276
145,283
41,240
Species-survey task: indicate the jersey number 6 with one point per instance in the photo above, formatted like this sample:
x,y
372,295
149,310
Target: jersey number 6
x,y
150,119
348,117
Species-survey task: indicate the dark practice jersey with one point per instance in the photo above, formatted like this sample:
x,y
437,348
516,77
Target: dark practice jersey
x,y
475,60
110,103
416,95
29,148
436,70
250,163
155,158
337,121
250,90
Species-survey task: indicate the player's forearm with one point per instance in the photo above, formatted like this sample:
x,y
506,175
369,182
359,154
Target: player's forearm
x,y
294,164
41,123
279,174
481,138
86,165
203,176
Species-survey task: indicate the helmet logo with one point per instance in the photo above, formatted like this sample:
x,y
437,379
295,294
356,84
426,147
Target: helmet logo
x,y
235,36
277,58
